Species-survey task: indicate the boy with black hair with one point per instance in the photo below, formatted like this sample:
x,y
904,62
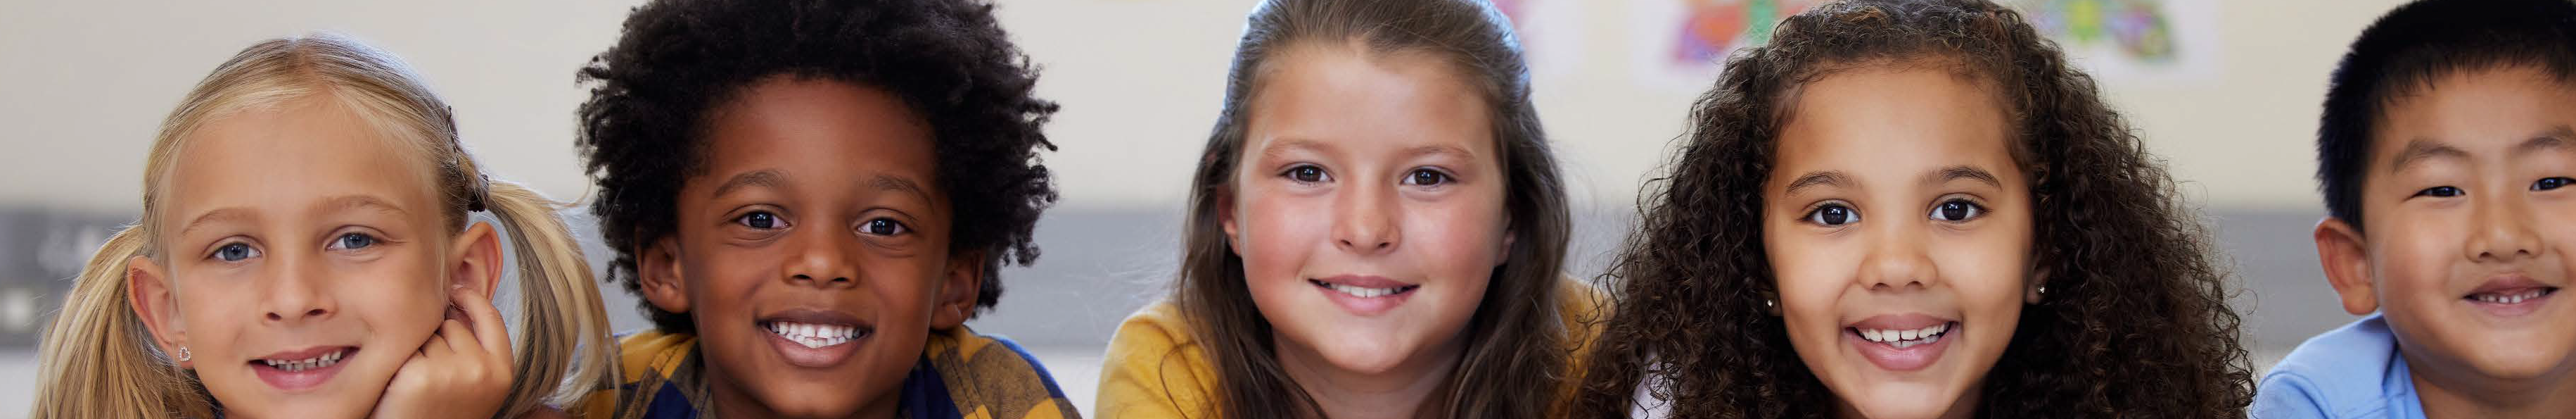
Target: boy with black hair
x,y
812,197
2445,152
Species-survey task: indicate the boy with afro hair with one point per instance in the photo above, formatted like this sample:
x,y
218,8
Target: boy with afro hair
x,y
812,197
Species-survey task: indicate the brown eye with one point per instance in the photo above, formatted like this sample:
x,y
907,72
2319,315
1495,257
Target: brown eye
x,y
1957,210
2551,183
1305,174
1832,215
883,227
1426,177
2447,191
759,220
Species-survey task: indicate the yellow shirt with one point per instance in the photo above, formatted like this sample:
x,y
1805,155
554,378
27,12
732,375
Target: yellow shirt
x,y
1156,369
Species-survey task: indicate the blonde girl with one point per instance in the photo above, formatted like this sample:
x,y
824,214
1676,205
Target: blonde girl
x,y
307,249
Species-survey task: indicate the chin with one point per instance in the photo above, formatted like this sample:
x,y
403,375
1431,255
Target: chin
x,y
1902,403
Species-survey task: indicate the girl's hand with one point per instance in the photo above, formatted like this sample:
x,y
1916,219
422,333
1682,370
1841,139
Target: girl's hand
x,y
462,372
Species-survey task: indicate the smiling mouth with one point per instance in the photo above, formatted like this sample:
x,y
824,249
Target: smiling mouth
x,y
2511,297
1901,339
317,361
1364,292
816,335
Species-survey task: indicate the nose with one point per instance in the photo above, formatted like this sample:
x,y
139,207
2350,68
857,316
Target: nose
x,y
298,292
2502,230
1896,260
820,257
1365,221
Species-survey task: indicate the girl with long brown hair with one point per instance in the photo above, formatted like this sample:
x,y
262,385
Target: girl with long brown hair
x,y
1375,229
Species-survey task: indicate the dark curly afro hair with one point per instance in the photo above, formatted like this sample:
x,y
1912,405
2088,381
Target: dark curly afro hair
x,y
2135,322
652,93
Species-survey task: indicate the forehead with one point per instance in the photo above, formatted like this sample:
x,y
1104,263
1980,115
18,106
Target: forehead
x,y
290,155
2481,110
1325,92
819,128
1894,117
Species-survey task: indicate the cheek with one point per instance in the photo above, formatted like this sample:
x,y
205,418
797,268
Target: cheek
x,y
1275,235
1810,274
2410,258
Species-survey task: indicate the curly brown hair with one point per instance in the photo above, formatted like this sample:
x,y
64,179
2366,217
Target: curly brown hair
x,y
2135,322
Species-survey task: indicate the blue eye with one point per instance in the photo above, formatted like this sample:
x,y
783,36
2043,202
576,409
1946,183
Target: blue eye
x,y
235,252
1833,215
1426,177
1305,174
2551,183
2446,191
1957,210
759,220
883,227
353,241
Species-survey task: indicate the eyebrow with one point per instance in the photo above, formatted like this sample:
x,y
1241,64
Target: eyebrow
x,y
2561,138
1951,173
365,202
1437,150
1274,149
220,215
1814,179
892,183
761,178
2422,149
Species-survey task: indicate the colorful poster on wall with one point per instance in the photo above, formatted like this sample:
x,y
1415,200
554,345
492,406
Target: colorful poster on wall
x,y
1551,33
2132,41
1683,43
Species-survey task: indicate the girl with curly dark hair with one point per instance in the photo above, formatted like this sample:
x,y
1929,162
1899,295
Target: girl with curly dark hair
x,y
812,198
1914,208
1375,230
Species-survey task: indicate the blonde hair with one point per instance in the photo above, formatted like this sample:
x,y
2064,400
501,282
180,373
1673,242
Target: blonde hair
x,y
98,359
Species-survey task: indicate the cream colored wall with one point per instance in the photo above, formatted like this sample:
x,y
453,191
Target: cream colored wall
x,y
86,82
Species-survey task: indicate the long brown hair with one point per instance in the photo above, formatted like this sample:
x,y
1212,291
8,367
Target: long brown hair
x,y
2134,322
98,357
1514,356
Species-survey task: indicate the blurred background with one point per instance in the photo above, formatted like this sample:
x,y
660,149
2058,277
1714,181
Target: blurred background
x,y
2226,91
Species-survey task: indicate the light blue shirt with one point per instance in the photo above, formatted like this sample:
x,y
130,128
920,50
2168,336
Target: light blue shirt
x,y
2352,372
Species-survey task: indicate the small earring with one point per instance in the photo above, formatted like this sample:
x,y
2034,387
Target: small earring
x,y
2043,290
184,356
1770,304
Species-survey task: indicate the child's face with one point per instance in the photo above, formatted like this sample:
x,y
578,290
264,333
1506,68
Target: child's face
x,y
286,238
1900,230
2469,225
1368,210
812,251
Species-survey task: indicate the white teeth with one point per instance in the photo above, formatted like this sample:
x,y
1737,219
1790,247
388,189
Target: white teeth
x,y
2510,298
814,335
319,361
1363,292
1905,338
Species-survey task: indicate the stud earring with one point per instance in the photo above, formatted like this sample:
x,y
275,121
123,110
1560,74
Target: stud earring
x,y
184,356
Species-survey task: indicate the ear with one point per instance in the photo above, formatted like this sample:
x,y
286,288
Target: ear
x,y
151,299
478,259
1225,219
2347,265
1510,236
958,287
657,271
2038,279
